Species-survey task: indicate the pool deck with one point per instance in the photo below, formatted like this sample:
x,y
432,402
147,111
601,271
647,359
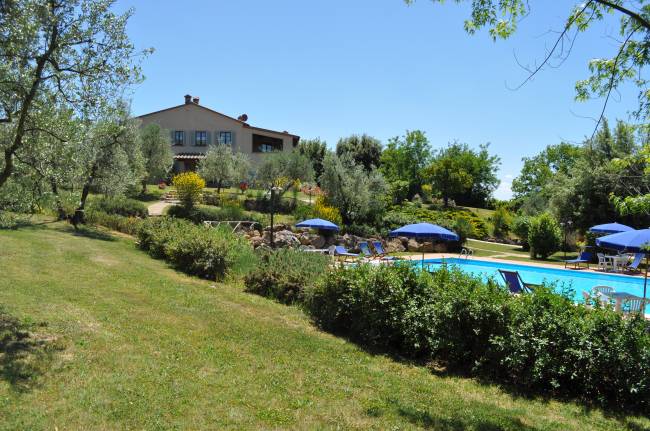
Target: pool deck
x,y
519,262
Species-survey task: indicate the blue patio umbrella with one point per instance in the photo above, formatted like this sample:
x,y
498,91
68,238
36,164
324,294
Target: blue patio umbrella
x,y
610,228
634,241
425,231
318,223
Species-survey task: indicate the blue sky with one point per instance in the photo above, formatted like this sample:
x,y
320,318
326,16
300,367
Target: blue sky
x,y
333,68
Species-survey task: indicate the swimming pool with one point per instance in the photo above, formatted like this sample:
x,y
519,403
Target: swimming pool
x,y
577,280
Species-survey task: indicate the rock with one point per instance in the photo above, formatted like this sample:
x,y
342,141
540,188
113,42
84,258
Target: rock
x,y
256,241
426,247
394,245
286,238
413,245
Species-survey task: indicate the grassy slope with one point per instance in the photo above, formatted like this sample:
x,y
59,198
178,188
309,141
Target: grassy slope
x,y
146,347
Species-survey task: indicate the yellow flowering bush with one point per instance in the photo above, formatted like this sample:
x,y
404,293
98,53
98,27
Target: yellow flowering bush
x,y
189,186
326,212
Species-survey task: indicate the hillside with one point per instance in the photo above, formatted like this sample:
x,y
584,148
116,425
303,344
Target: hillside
x,y
118,340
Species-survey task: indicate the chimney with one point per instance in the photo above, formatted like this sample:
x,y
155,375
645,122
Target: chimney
x,y
195,100
188,99
243,118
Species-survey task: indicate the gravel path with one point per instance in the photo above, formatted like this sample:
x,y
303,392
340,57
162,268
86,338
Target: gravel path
x,y
158,208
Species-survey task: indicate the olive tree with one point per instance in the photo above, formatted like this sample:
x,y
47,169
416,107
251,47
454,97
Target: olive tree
x,y
157,153
221,165
72,54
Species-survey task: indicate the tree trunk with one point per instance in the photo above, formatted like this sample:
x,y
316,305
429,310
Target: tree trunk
x,y
24,110
79,216
57,200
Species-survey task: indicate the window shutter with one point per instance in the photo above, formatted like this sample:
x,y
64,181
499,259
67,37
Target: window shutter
x,y
191,137
232,137
217,138
171,133
208,138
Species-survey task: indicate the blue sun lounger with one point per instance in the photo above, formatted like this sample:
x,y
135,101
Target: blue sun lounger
x,y
515,283
585,257
634,265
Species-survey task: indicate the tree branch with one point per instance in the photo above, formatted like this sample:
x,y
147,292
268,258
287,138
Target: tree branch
x,y
638,18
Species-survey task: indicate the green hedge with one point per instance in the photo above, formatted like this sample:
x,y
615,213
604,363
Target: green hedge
x,y
539,343
283,274
198,250
127,225
199,214
120,206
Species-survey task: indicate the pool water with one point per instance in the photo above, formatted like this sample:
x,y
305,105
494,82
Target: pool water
x,y
576,280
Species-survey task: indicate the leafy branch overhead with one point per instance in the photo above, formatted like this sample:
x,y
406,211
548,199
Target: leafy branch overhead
x,y
502,19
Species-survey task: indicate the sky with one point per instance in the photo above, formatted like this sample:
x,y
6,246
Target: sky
x,y
334,68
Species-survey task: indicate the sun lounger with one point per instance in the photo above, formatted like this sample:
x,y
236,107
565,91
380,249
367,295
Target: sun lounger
x,y
379,249
585,257
634,265
515,283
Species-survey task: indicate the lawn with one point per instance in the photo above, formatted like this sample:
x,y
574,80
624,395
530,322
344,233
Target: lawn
x,y
513,252
128,343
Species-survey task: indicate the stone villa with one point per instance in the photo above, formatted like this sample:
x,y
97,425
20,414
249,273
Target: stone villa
x,y
194,128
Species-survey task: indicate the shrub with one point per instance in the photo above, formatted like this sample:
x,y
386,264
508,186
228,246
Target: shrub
x,y
541,343
189,186
544,236
463,228
303,212
199,214
198,250
501,220
521,227
120,205
362,230
283,274
127,225
326,212
11,220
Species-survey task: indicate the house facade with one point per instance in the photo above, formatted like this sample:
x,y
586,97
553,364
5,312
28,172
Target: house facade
x,y
194,128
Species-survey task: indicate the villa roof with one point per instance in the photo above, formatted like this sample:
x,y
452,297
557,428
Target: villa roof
x,y
244,124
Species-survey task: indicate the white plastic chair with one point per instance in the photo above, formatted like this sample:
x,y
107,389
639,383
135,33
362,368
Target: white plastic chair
x,y
603,262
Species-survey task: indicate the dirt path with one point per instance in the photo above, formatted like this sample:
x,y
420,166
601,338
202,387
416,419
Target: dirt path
x,y
158,208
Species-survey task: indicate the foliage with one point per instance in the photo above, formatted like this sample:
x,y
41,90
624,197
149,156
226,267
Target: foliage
x,y
404,159
544,236
314,150
285,170
540,343
71,56
114,221
196,249
502,221
303,212
326,212
356,193
399,191
222,166
521,227
120,205
364,151
463,174
607,74
283,274
464,229
189,186
398,216
198,214
590,183
11,220
157,153
540,169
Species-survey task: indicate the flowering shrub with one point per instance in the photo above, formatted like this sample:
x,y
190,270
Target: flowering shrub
x,y
189,186
326,212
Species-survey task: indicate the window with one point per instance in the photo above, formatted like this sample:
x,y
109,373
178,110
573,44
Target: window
x,y
179,137
266,144
225,138
200,138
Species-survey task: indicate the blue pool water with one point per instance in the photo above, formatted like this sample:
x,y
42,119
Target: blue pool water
x,y
577,280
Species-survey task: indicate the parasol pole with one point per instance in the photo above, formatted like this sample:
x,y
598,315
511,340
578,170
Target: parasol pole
x,y
645,285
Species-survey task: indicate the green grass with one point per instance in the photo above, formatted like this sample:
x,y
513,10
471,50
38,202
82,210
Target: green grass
x,y
136,345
